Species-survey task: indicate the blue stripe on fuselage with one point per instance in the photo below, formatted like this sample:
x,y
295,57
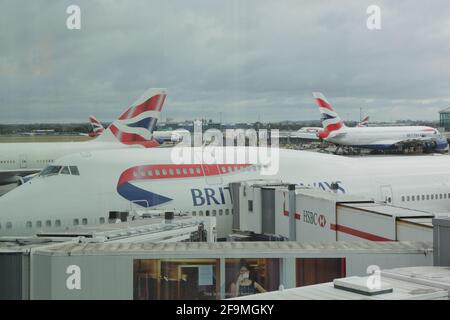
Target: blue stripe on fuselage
x,y
140,196
376,146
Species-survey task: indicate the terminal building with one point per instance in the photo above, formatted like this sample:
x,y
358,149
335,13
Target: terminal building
x,y
188,270
444,119
320,237
306,214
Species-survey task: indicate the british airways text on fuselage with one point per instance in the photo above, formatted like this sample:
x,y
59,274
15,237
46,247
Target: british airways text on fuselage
x,y
209,196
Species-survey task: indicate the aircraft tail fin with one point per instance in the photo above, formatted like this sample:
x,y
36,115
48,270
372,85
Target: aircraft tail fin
x,y
136,125
330,119
364,122
97,127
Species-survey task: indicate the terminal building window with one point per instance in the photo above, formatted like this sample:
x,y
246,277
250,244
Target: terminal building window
x,y
311,271
251,275
176,279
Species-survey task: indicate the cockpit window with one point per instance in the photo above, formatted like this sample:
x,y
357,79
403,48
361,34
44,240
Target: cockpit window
x,y
65,170
50,170
74,170
54,170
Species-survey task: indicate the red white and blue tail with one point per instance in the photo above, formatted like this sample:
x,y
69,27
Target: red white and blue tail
x,y
136,125
97,127
330,119
364,122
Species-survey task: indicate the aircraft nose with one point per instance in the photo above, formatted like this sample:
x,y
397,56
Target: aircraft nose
x,y
21,206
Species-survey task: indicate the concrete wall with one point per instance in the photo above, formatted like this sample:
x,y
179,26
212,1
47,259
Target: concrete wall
x,y
102,277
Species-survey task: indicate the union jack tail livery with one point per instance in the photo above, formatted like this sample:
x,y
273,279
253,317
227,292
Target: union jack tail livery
x,y
136,125
330,119
364,122
97,128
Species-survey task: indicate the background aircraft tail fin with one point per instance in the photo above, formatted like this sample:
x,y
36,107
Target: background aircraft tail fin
x,y
364,122
97,127
137,123
330,119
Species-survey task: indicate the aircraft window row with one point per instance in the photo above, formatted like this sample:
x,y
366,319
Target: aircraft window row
x,y
185,171
212,213
54,170
48,223
44,161
8,225
424,197
7,161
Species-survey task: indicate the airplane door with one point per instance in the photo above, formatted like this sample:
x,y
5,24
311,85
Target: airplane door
x,y
23,161
211,170
386,194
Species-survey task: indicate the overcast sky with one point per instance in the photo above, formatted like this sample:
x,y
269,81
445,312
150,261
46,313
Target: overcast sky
x,y
246,59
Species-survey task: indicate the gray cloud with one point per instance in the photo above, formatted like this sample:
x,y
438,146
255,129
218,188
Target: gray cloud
x,y
243,58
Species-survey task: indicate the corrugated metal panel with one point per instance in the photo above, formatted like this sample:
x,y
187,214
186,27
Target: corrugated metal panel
x,y
405,288
392,211
433,276
284,248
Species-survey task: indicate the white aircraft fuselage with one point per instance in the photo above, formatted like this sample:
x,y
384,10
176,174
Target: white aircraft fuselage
x,y
381,137
28,158
117,180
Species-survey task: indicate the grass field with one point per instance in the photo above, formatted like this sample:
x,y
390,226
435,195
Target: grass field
x,y
11,139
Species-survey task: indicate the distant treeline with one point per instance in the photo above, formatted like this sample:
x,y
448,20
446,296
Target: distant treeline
x,y
68,128
58,128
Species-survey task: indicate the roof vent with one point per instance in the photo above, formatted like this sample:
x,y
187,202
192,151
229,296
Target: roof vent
x,y
360,285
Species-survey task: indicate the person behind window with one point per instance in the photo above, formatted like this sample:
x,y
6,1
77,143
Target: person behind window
x,y
244,284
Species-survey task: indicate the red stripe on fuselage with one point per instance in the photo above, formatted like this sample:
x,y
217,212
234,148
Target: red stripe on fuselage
x,y
174,171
